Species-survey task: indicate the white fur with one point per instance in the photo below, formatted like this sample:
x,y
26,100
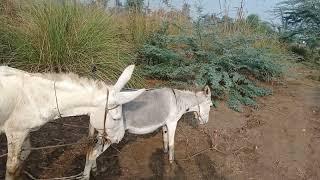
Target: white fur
x,y
28,101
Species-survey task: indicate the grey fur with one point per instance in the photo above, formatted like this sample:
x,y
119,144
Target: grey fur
x,y
149,111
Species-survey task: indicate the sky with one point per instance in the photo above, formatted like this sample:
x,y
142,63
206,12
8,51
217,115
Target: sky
x,y
259,7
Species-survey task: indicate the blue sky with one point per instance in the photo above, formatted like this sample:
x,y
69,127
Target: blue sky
x,y
260,7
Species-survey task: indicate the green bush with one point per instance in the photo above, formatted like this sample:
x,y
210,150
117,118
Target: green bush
x,y
304,52
231,64
61,36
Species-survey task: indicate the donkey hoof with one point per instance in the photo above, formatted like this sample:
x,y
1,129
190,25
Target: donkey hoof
x,y
94,172
171,161
94,169
86,177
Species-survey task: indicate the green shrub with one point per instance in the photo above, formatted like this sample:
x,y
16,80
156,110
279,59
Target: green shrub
x,y
301,51
229,64
62,36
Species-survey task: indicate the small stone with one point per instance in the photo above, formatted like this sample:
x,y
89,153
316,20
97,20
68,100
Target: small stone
x,y
303,130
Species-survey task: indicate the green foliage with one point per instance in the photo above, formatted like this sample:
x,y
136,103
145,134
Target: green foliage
x,y
301,27
63,36
136,5
300,20
229,65
304,52
253,20
261,26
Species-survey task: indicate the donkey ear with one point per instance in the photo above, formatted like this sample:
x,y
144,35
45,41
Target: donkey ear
x,y
125,97
124,78
207,90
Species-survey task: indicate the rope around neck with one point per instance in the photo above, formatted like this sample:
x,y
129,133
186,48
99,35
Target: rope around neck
x,y
199,117
104,134
105,138
175,96
55,94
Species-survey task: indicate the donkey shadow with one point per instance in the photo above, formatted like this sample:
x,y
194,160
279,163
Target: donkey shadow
x,y
207,168
161,168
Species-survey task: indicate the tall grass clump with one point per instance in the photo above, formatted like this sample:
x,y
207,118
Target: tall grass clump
x,y
63,36
138,22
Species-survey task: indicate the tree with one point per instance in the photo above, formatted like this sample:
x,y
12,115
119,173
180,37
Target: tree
x,y
253,20
118,3
101,3
300,20
186,8
136,5
260,26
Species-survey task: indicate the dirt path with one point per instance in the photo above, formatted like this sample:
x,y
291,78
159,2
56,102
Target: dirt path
x,y
279,140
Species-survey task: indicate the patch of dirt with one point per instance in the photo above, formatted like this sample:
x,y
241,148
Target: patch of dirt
x,y
278,140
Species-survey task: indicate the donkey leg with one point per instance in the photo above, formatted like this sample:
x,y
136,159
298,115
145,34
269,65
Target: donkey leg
x,y
15,156
26,148
165,138
91,159
171,132
94,164
91,135
91,131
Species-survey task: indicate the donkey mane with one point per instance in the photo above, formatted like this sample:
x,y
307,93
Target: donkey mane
x,y
82,82
64,78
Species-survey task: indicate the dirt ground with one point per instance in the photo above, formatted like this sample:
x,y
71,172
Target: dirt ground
x,y
280,139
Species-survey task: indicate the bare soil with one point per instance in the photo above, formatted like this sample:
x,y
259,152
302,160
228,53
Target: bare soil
x,y
280,139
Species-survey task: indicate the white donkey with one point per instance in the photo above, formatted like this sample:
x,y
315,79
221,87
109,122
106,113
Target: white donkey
x,y
28,101
148,112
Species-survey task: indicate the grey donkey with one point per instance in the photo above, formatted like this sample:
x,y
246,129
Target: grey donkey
x,y
151,110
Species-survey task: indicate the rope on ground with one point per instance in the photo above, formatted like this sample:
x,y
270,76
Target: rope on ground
x,y
203,151
69,125
3,155
78,176
88,141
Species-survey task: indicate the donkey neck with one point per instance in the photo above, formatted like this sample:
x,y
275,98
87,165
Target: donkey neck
x,y
68,99
186,100
64,96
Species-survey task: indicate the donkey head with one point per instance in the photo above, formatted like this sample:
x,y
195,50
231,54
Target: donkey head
x,y
202,109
